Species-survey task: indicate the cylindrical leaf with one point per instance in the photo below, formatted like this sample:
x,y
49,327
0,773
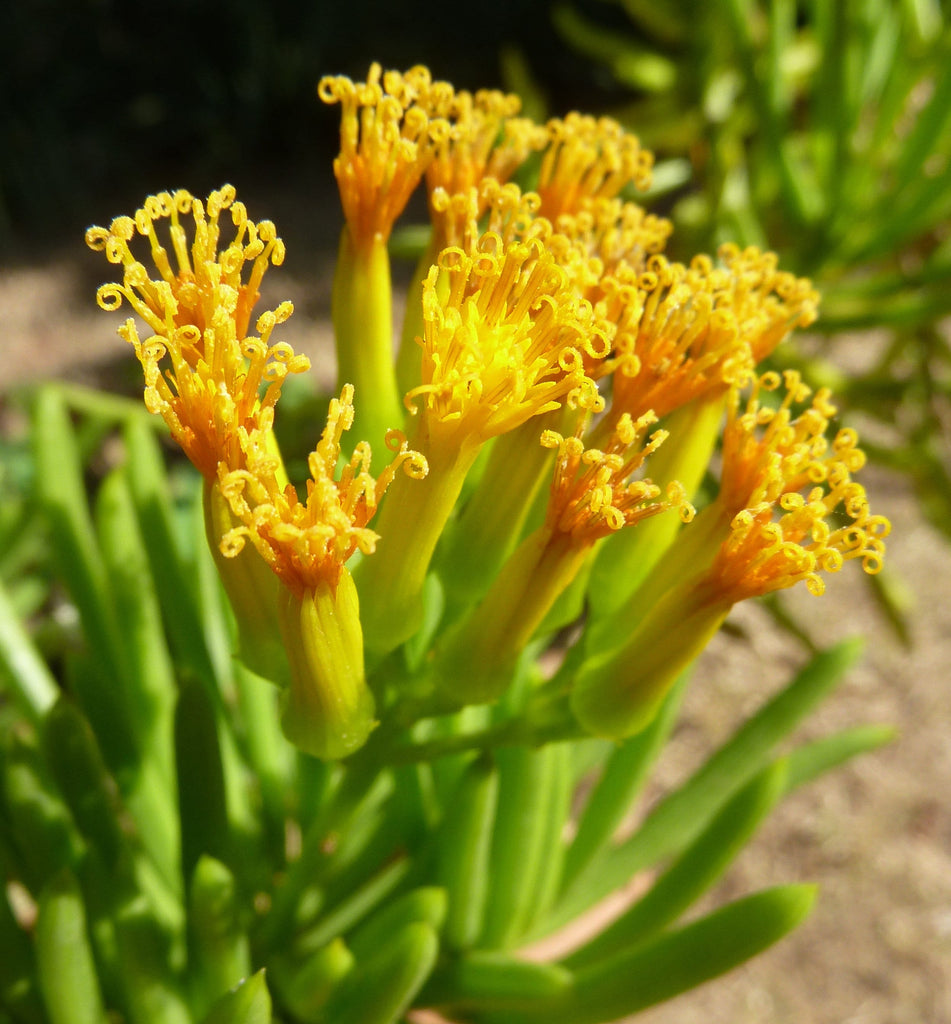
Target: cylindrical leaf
x,y
151,680
673,962
306,986
76,763
64,959
19,989
381,989
525,777
62,495
201,787
556,814
701,864
151,992
462,851
219,953
482,981
40,825
677,819
625,772
23,671
428,904
249,1003
685,958
174,584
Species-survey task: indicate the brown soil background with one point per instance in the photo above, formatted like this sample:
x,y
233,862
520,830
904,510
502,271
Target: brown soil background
x,y
875,834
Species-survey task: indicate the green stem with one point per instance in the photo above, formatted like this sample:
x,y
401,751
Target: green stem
x,y
391,581
362,316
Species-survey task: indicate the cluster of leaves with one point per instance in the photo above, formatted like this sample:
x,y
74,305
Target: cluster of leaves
x,y
824,129
163,846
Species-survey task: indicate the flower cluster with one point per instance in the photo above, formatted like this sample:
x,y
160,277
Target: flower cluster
x,y
546,335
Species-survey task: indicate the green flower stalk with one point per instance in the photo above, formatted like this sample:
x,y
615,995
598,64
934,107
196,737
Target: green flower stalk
x,y
329,710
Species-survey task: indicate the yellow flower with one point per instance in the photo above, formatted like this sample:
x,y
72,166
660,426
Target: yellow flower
x,y
592,492
210,380
768,451
770,456
388,137
763,553
692,331
329,709
586,158
785,480
309,542
203,373
503,345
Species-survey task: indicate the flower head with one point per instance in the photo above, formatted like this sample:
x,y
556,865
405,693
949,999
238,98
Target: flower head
x,y
487,142
503,341
796,509
592,493
589,157
770,449
684,332
389,134
308,542
766,551
204,374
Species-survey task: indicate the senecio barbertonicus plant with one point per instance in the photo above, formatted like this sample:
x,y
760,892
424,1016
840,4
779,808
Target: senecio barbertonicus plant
x,y
477,614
